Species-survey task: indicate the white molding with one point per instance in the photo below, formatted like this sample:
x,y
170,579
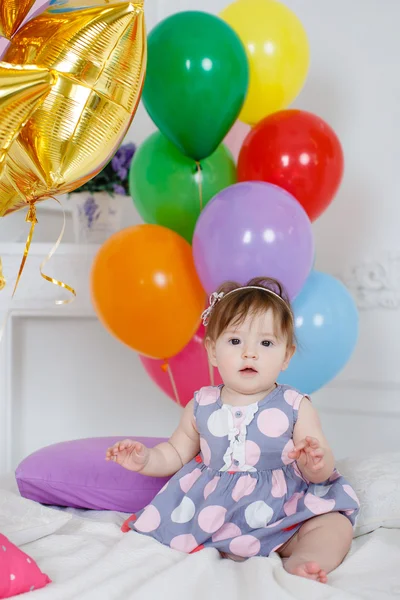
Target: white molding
x,y
375,283
365,384
358,397
53,207
35,298
6,374
71,264
11,248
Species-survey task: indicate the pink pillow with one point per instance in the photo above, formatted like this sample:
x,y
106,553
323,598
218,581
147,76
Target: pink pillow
x,y
18,572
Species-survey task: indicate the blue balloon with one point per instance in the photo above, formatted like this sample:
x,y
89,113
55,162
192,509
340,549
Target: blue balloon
x,y
326,321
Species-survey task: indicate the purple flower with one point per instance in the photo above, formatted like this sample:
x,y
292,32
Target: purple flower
x,y
114,176
91,211
122,159
116,163
118,189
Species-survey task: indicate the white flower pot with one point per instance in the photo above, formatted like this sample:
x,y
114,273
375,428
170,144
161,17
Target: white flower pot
x,y
95,216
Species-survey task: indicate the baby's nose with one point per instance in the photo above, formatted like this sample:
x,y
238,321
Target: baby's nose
x,y
250,353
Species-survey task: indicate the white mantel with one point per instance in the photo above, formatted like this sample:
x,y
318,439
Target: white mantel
x,y
71,264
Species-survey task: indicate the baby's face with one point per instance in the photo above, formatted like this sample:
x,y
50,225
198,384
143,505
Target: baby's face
x,y
251,355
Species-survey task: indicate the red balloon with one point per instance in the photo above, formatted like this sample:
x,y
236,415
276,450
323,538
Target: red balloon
x,y
297,151
189,370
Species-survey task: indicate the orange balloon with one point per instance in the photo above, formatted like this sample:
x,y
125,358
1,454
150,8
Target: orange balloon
x,y
146,291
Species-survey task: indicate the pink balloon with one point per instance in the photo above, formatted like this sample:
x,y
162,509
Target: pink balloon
x,y
235,138
190,370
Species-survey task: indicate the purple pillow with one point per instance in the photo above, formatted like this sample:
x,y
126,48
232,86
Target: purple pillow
x,y
76,474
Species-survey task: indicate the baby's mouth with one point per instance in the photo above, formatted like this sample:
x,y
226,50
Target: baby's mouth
x,y
248,371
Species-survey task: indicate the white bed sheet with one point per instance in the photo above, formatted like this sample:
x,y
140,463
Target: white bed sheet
x,y
91,559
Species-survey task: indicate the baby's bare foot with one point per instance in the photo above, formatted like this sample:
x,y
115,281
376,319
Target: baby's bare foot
x,y
307,569
232,557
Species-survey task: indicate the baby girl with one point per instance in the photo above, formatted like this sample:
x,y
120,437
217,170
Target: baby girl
x,y
252,470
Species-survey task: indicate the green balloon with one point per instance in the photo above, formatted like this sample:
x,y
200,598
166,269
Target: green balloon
x,y
196,82
170,189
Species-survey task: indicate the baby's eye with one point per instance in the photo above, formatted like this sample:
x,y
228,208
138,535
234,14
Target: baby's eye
x,y
267,343
234,341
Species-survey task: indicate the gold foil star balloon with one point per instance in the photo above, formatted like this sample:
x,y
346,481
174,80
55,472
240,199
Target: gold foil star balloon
x,y
12,13
22,90
98,52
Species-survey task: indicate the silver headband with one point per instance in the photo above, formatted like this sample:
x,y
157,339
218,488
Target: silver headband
x,y
217,297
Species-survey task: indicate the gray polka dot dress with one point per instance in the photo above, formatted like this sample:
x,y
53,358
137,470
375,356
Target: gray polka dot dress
x,y
242,494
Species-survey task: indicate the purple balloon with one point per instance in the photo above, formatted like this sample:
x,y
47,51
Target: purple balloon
x,y
253,229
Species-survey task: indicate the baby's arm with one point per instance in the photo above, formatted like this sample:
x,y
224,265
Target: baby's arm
x,y
311,449
164,459
167,458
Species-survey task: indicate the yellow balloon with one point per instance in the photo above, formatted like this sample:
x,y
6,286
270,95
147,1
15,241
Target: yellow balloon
x,y
278,53
98,53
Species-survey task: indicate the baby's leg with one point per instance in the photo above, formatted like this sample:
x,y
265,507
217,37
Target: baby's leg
x,y
318,547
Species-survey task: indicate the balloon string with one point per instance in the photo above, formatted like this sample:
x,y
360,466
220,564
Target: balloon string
x,y
3,283
48,257
200,183
30,218
173,383
2,278
2,286
211,372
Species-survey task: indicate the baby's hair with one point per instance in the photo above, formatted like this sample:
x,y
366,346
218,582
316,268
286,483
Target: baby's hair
x,y
232,308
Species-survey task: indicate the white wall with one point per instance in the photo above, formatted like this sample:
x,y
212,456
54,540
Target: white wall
x,y
354,84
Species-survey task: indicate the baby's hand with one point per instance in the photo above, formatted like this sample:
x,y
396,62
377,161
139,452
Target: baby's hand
x,y
129,454
309,454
